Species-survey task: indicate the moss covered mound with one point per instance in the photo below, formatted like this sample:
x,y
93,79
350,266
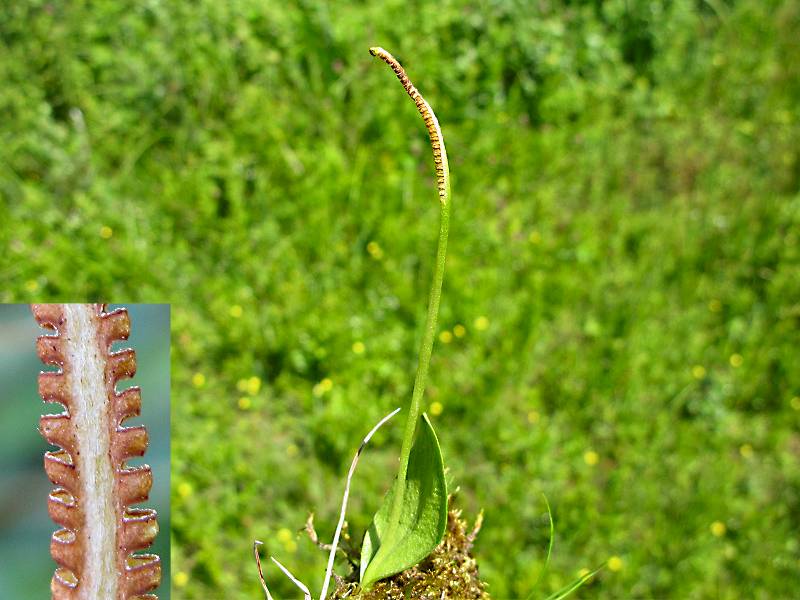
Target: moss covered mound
x,y
449,572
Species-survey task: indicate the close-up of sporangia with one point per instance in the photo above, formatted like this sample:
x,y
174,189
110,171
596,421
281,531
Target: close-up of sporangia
x,y
95,488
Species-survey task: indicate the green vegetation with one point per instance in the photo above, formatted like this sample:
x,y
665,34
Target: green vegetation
x,y
619,324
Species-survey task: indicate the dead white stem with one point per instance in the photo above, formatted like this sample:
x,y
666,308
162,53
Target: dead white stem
x,y
297,582
336,535
335,543
256,544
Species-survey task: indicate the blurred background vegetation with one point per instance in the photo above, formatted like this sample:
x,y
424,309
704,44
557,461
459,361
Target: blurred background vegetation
x,y
621,309
25,528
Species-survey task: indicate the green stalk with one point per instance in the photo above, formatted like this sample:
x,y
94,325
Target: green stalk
x,y
443,188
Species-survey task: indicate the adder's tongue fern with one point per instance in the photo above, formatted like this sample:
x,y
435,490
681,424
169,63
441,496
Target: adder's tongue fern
x,y
443,190
412,519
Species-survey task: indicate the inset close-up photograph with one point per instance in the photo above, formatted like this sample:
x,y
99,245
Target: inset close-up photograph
x,y
108,466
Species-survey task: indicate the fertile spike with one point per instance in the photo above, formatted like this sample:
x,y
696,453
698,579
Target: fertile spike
x,y
431,122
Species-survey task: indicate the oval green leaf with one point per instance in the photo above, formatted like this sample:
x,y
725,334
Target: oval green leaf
x,y
423,519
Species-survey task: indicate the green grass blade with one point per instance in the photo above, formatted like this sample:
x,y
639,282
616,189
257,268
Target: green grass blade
x,y
571,587
549,548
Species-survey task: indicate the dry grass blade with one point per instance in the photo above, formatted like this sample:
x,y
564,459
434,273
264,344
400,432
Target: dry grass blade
x,y
295,580
256,544
346,495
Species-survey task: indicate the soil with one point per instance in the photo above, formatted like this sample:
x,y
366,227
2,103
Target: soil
x,y
449,573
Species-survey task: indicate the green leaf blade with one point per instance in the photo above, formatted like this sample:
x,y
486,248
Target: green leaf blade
x,y
423,520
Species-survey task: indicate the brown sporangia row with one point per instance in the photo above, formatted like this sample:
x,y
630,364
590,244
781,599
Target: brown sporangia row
x,y
95,550
431,122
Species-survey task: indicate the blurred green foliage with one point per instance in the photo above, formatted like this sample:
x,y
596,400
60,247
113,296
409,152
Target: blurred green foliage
x,y
25,527
624,263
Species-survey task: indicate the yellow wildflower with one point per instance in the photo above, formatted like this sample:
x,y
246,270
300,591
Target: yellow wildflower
x,y
180,579
375,251
253,385
718,529
185,489
481,323
284,535
323,386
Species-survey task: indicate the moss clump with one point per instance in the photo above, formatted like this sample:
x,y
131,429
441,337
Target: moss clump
x,y
449,572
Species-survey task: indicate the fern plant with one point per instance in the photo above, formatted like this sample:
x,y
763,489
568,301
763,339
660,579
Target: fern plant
x,y
413,517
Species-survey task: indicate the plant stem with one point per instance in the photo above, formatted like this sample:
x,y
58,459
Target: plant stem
x,y
443,188
424,362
